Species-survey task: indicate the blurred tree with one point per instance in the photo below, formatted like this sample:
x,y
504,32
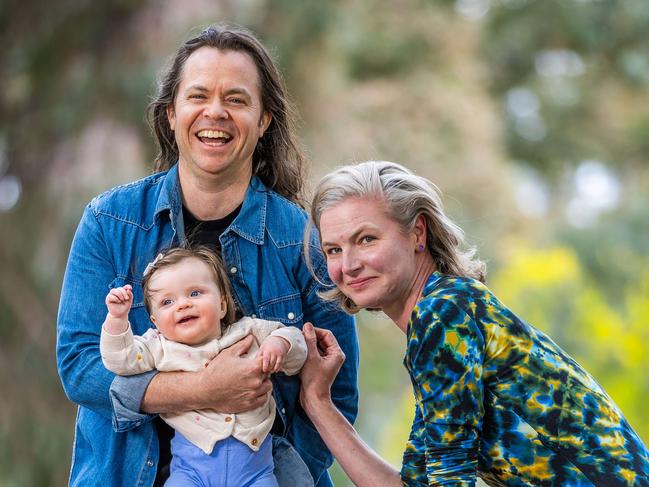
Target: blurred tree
x,y
470,93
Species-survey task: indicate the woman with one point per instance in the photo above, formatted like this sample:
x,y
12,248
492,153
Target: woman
x,y
494,396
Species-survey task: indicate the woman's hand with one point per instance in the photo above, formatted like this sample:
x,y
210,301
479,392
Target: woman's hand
x,y
324,359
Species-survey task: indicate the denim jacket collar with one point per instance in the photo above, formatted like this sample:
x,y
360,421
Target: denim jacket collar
x,y
250,221
168,199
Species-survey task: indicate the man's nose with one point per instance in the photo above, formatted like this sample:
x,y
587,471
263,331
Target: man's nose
x,y
215,110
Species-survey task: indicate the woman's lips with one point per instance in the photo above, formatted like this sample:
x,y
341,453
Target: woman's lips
x,y
357,283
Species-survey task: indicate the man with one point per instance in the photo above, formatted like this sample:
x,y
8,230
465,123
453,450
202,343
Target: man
x,y
230,175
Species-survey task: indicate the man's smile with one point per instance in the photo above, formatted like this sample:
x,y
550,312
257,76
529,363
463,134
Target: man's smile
x,y
214,137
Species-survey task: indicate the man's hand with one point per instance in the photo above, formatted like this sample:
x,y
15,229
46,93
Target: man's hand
x,y
272,353
234,382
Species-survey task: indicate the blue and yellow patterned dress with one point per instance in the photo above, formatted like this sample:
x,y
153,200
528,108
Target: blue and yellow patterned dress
x,y
499,399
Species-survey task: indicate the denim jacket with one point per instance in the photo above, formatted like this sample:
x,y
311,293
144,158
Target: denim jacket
x,y
119,233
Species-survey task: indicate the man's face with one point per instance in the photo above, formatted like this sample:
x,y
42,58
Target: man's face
x,y
217,115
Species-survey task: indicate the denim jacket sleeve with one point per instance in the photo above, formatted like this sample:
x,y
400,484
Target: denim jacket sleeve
x,y
86,382
345,388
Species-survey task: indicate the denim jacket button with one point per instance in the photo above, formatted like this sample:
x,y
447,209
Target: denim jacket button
x,y
291,316
233,270
149,463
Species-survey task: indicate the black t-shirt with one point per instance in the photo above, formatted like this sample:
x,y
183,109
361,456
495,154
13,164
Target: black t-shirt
x,y
198,232
207,232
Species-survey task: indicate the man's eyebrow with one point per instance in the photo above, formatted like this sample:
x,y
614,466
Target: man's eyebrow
x,y
237,91
196,88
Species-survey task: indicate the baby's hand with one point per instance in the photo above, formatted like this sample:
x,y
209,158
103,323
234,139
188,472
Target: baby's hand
x,y
272,353
119,301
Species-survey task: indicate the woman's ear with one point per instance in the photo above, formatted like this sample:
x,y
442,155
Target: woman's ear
x,y
419,232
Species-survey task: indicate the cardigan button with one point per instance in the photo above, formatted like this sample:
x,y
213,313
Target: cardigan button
x,y
291,315
149,463
233,270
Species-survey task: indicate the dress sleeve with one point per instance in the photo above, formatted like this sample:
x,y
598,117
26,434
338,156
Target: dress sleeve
x,y
446,352
413,470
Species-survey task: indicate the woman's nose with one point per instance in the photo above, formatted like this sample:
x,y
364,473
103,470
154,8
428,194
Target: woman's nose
x,y
351,262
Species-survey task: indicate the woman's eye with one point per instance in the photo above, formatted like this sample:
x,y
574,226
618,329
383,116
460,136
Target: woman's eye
x,y
333,250
236,101
195,293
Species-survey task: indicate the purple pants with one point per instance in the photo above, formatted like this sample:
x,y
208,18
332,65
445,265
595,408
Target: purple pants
x,y
231,464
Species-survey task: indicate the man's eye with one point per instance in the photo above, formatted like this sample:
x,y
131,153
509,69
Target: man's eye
x,y
236,101
367,239
197,96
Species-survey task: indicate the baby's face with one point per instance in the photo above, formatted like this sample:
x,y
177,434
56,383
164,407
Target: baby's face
x,y
186,304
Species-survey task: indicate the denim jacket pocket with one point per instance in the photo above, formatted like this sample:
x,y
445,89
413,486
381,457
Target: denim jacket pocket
x,y
285,309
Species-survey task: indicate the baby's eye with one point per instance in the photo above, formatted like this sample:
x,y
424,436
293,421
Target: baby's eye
x,y
195,293
166,302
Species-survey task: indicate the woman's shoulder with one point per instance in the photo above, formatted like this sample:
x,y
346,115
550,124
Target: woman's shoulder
x,y
442,287
460,296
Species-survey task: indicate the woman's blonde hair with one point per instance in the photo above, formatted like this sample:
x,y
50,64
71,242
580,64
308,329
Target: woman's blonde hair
x,y
406,196
174,255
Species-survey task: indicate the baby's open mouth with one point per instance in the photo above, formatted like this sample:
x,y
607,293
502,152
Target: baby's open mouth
x,y
186,319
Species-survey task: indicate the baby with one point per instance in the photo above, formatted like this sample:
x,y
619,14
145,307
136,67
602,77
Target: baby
x,y
189,299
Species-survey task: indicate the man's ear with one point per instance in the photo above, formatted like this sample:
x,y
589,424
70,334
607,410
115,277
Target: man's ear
x,y
264,122
171,116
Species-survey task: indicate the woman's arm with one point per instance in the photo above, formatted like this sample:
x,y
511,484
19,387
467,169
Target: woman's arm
x,y
362,464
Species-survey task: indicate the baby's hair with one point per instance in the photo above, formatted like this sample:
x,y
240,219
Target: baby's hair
x,y
175,255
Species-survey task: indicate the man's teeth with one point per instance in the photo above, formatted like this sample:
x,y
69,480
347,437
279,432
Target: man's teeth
x,y
213,134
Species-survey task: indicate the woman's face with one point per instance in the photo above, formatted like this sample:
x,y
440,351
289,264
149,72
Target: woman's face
x,y
369,257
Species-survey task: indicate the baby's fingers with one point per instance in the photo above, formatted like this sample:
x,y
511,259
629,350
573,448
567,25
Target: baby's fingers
x,y
265,362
